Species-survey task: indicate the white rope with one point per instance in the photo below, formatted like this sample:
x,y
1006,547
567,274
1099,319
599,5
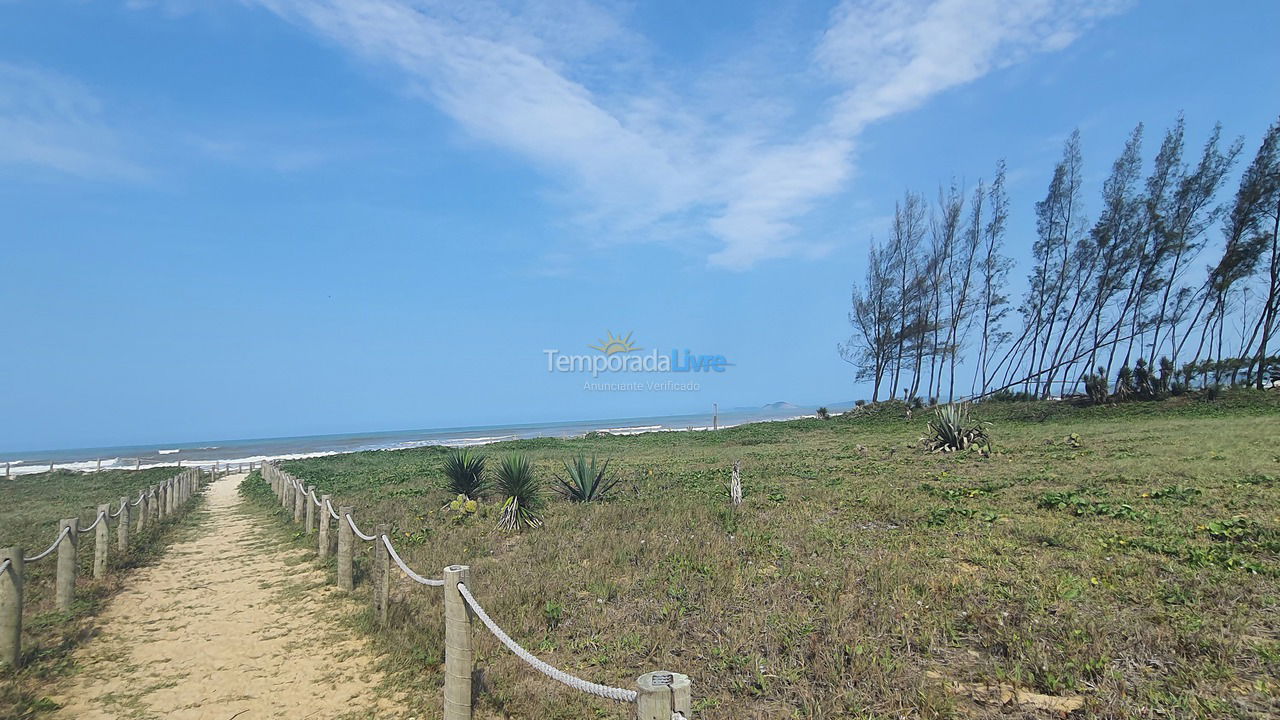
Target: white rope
x,y
95,522
329,506
561,676
4,566
405,568
356,530
314,499
66,530
141,495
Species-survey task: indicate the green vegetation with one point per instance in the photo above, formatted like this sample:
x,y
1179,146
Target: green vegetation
x,y
952,429
522,493
29,515
1119,557
465,472
586,481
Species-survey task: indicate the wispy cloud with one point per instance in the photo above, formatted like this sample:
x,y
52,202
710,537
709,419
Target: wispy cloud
x,y
52,122
577,93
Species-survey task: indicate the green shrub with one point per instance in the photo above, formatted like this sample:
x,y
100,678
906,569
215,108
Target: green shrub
x,y
553,613
823,413
1095,385
465,472
1124,381
951,429
1176,493
586,481
522,492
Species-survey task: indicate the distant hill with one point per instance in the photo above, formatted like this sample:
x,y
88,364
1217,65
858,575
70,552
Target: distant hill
x,y
780,406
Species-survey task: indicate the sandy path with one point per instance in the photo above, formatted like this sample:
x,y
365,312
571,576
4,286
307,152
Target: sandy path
x,y
229,623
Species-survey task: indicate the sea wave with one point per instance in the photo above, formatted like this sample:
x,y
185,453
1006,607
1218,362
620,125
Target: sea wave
x,y
632,430
469,441
23,467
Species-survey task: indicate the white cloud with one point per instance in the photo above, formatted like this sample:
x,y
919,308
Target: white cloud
x,y
581,96
52,122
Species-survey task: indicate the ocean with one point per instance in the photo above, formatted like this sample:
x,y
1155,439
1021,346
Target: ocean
x,y
208,452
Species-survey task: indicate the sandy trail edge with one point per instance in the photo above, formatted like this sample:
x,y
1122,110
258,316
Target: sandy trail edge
x,y
227,624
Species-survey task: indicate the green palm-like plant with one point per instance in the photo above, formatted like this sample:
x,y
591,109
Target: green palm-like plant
x,y
587,481
951,430
465,472
522,493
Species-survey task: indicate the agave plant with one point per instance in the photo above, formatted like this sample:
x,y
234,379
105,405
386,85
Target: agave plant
x,y
951,429
586,481
465,472
522,493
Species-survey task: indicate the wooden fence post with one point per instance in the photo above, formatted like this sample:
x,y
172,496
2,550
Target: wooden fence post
x,y
382,574
122,527
311,510
299,509
323,549
173,497
345,540
459,659
65,584
661,694
11,607
101,542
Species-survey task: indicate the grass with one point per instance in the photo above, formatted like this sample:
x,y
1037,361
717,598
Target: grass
x,y
1120,558
29,514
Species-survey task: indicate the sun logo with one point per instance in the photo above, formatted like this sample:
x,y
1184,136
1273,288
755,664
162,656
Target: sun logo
x,y
612,345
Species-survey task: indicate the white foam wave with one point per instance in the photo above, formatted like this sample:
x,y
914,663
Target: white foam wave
x,y
468,442
24,467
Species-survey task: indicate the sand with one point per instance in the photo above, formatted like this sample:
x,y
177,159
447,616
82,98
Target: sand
x,y
229,623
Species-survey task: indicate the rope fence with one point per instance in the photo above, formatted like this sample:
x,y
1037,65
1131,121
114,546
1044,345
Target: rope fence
x,y
65,531
657,696
155,505
95,523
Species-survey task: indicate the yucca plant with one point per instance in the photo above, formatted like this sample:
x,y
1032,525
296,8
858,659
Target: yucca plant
x,y
1095,386
465,472
951,429
586,481
522,493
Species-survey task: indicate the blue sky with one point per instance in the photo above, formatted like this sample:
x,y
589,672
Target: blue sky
x,y
284,217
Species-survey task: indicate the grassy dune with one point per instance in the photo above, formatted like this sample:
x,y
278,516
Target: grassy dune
x,y
30,508
1122,560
